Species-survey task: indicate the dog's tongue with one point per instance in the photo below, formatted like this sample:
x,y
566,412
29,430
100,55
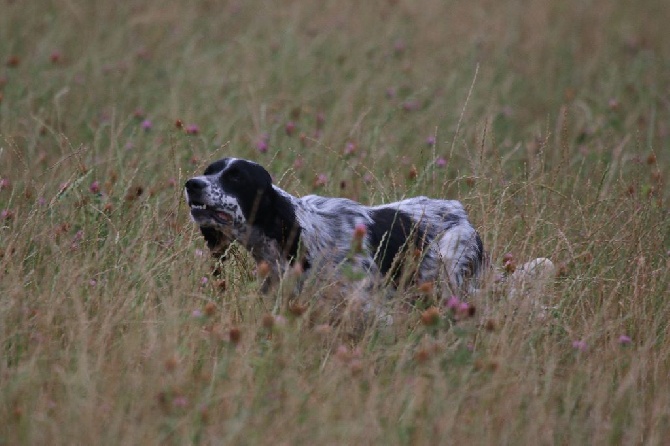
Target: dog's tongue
x,y
224,216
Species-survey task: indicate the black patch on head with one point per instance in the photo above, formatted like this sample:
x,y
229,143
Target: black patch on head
x,y
216,166
393,232
250,183
261,205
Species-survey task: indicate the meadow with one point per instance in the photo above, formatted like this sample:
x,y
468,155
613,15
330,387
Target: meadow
x,y
550,121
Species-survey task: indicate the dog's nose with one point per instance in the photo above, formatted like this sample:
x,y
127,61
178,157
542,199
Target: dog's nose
x,y
195,185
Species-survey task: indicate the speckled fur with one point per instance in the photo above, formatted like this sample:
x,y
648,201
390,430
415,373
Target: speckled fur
x,y
280,229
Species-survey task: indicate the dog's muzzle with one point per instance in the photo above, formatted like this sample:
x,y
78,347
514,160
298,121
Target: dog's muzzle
x,y
201,211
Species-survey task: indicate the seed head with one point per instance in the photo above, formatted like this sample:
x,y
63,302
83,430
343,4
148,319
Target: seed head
x,y
359,231
263,269
171,363
234,334
297,308
427,287
422,355
268,321
413,173
210,309
431,316
55,56
491,325
13,61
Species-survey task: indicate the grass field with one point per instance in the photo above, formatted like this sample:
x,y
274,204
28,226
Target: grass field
x,y
550,121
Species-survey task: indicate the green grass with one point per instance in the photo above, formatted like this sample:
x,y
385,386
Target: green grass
x,y
553,120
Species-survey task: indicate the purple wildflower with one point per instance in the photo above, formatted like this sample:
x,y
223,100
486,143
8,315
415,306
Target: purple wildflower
x,y
147,125
453,303
579,345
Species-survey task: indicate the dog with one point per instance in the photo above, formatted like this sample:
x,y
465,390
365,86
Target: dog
x,y
420,239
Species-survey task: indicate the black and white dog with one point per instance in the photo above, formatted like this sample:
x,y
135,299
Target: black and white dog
x,y
235,200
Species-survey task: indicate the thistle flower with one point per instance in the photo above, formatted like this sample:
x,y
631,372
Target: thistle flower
x,y
399,46
349,148
262,144
411,105
320,119
290,128
147,125
625,340
321,180
453,303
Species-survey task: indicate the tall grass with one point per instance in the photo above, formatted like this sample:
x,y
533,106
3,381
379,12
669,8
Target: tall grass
x,y
548,120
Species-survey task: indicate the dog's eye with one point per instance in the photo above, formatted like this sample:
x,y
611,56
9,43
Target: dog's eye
x,y
233,175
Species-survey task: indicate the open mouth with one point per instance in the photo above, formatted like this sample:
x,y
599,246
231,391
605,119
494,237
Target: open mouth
x,y
201,211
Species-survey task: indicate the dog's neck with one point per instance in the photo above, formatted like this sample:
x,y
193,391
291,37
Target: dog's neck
x,y
275,234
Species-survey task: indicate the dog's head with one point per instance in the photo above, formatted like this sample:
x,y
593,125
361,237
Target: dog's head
x,y
231,195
